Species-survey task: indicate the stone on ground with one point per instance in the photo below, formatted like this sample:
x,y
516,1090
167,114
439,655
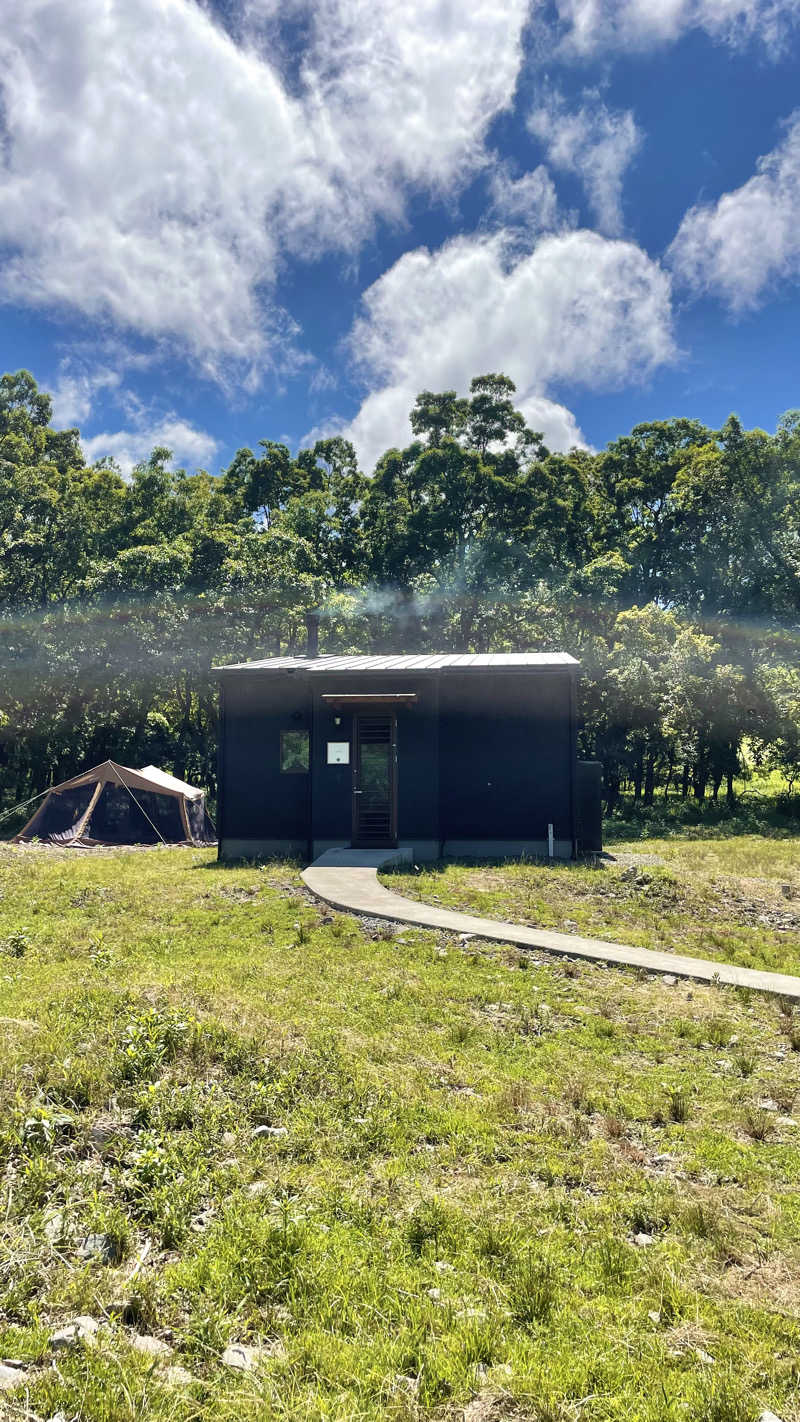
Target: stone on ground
x,y
79,1330
241,1357
154,1347
245,1357
177,1376
101,1247
10,1377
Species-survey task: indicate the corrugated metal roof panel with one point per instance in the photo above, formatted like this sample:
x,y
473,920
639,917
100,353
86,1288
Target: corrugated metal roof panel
x,y
446,661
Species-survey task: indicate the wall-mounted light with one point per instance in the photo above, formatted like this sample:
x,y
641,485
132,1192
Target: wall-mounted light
x,y
337,720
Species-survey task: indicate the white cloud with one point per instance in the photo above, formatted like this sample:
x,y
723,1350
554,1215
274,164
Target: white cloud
x,y
413,84
529,202
321,378
593,25
594,142
577,308
75,391
157,174
554,422
738,246
189,445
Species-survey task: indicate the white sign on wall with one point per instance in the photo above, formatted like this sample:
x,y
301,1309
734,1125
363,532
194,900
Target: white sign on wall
x,y
338,752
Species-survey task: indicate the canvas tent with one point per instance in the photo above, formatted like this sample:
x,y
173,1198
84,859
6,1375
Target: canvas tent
x,y
113,804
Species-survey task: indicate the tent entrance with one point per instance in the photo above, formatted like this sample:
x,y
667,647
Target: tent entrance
x,y
139,817
61,815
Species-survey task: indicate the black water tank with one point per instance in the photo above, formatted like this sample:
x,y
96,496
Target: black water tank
x,y
590,806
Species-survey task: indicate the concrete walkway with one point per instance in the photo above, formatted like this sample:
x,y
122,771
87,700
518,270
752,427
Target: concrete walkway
x,y
348,879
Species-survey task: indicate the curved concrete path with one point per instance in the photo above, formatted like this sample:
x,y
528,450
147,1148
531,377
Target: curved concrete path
x,y
348,879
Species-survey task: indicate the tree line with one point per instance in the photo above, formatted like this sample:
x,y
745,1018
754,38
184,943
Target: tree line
x,y
668,563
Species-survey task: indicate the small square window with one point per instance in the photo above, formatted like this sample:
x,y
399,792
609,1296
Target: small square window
x,y
294,752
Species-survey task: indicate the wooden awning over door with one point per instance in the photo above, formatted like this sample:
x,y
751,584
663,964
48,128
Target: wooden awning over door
x,y
369,698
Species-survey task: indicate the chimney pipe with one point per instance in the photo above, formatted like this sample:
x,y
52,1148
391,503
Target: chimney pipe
x,y
312,634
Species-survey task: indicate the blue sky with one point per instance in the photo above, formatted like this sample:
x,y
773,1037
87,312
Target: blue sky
x,y
272,219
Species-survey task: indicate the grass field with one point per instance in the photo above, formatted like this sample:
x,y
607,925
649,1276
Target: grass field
x,y
735,898
426,1180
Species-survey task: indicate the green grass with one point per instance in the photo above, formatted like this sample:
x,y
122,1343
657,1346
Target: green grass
x,y
762,806
708,897
462,1147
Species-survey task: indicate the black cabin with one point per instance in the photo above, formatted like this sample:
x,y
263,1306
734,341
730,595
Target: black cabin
x,y
450,755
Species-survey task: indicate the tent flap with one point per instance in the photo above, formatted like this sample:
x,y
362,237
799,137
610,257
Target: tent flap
x,y
59,816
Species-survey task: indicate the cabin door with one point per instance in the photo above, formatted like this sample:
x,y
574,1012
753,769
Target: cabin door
x,y
374,781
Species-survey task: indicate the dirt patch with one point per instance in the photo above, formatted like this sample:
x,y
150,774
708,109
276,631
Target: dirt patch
x,y
764,910
492,1407
627,861
745,903
485,881
98,894
773,1283
239,894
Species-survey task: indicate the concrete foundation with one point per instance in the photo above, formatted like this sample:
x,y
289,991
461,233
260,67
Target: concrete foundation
x,y
263,849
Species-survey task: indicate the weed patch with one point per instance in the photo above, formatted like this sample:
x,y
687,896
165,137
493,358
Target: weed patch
x,y
409,1188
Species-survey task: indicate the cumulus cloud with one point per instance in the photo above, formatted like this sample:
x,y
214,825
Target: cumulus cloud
x,y
594,142
576,308
592,25
738,246
189,445
157,173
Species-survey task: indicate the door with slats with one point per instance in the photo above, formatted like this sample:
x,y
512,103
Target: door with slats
x,y
374,781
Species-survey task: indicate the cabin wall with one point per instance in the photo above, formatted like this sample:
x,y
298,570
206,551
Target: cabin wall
x,y
506,762
262,810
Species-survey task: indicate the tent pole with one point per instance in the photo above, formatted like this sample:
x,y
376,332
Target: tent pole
x,y
99,787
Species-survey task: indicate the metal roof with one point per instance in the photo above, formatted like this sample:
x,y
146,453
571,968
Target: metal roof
x,y
448,661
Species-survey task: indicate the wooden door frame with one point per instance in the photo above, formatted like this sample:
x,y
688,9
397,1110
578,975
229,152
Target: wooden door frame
x,y
391,717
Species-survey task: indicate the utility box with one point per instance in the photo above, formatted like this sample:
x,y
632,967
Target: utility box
x,y
590,806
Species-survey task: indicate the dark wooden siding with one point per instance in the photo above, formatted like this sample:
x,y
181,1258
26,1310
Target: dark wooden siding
x,y
505,755
418,765
258,801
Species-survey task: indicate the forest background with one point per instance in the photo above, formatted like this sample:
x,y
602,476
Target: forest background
x,y
668,563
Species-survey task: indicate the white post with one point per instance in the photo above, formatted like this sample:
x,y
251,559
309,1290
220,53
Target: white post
x,y
549,841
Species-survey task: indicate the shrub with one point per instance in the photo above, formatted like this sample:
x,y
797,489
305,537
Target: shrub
x,y
758,1123
43,1125
701,1219
17,943
678,1105
149,1040
430,1224
719,1032
533,1289
615,1260
515,1099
